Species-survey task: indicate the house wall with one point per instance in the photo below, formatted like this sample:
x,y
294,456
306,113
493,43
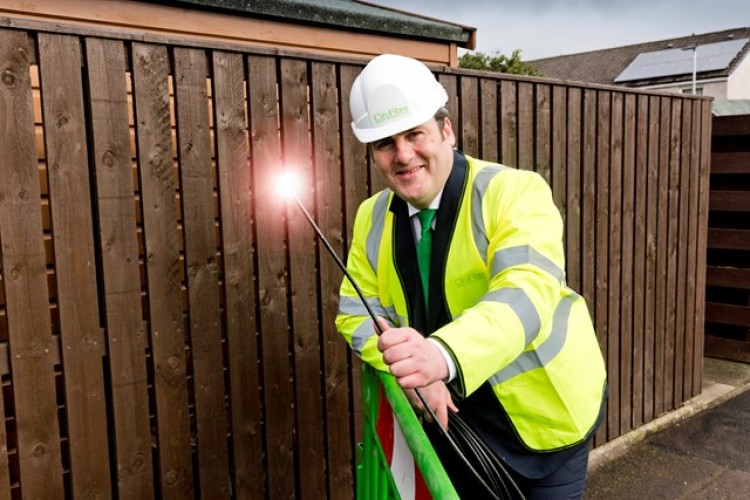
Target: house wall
x,y
739,81
714,88
143,19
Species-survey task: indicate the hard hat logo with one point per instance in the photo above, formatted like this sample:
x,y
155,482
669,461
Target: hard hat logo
x,y
393,94
390,114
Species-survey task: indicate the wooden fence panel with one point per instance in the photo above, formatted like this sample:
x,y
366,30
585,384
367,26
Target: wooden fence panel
x,y
468,138
218,302
297,157
163,269
671,271
337,362
235,189
196,183
614,346
649,296
598,302
629,346
4,459
119,253
640,245
355,183
508,123
24,279
543,131
559,152
525,122
272,279
82,337
488,110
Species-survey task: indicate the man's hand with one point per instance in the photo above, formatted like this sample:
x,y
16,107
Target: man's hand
x,y
413,360
437,397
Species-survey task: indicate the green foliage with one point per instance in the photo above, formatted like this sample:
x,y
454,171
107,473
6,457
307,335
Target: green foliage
x,y
497,62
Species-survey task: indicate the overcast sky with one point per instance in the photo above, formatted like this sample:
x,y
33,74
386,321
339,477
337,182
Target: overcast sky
x,y
546,28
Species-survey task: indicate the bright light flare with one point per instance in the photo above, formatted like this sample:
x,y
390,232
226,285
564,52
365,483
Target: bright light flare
x,y
288,185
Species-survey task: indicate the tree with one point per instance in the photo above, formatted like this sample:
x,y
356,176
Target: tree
x,y
497,62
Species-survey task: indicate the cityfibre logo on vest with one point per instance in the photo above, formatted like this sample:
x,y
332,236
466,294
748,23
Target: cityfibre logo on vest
x,y
392,113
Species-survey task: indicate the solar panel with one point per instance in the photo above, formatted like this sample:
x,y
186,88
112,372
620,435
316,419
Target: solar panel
x,y
671,62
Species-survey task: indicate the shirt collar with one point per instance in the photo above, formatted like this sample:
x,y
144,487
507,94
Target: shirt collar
x,y
435,204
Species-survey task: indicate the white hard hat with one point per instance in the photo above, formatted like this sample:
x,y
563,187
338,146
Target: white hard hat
x,y
393,94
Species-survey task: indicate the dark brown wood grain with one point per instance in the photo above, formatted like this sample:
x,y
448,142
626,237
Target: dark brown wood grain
x,y
118,246
201,269
168,337
83,342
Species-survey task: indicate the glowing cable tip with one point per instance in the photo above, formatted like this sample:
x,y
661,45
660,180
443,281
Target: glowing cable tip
x,y
288,185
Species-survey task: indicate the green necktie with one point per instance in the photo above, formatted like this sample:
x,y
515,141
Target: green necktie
x,y
424,248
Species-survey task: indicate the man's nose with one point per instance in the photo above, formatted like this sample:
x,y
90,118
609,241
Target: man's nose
x,y
404,151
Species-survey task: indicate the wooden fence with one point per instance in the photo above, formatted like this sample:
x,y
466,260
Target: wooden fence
x,y
166,323
728,258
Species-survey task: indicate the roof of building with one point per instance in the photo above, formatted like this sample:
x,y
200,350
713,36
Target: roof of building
x,y
347,14
604,66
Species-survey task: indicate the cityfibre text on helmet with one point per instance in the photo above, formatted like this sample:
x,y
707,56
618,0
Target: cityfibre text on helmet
x,y
390,114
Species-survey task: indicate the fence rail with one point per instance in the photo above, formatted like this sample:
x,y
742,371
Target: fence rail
x,y
166,325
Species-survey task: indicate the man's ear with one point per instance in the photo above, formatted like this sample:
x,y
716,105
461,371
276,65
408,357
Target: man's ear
x,y
448,131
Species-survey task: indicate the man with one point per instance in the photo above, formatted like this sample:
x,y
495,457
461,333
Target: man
x,y
486,320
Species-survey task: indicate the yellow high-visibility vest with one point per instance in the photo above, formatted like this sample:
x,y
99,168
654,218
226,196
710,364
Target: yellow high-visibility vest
x,y
514,322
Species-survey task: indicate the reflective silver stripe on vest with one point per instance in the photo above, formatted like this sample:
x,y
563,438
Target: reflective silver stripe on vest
x,y
353,306
524,254
376,228
360,336
520,303
546,352
481,182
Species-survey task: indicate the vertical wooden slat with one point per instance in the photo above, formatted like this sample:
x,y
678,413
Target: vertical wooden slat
x,y
692,251
683,245
702,243
598,303
354,182
24,279
508,123
272,281
672,206
589,174
236,189
615,269
559,151
336,358
69,191
202,270
304,300
450,83
488,111
628,346
639,257
5,492
119,254
573,174
162,261
661,258
543,132
526,106
650,243
469,133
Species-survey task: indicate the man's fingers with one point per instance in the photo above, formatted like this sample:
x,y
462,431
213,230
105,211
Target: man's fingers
x,y
383,324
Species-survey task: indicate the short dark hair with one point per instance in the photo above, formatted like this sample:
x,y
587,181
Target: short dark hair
x,y
442,113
